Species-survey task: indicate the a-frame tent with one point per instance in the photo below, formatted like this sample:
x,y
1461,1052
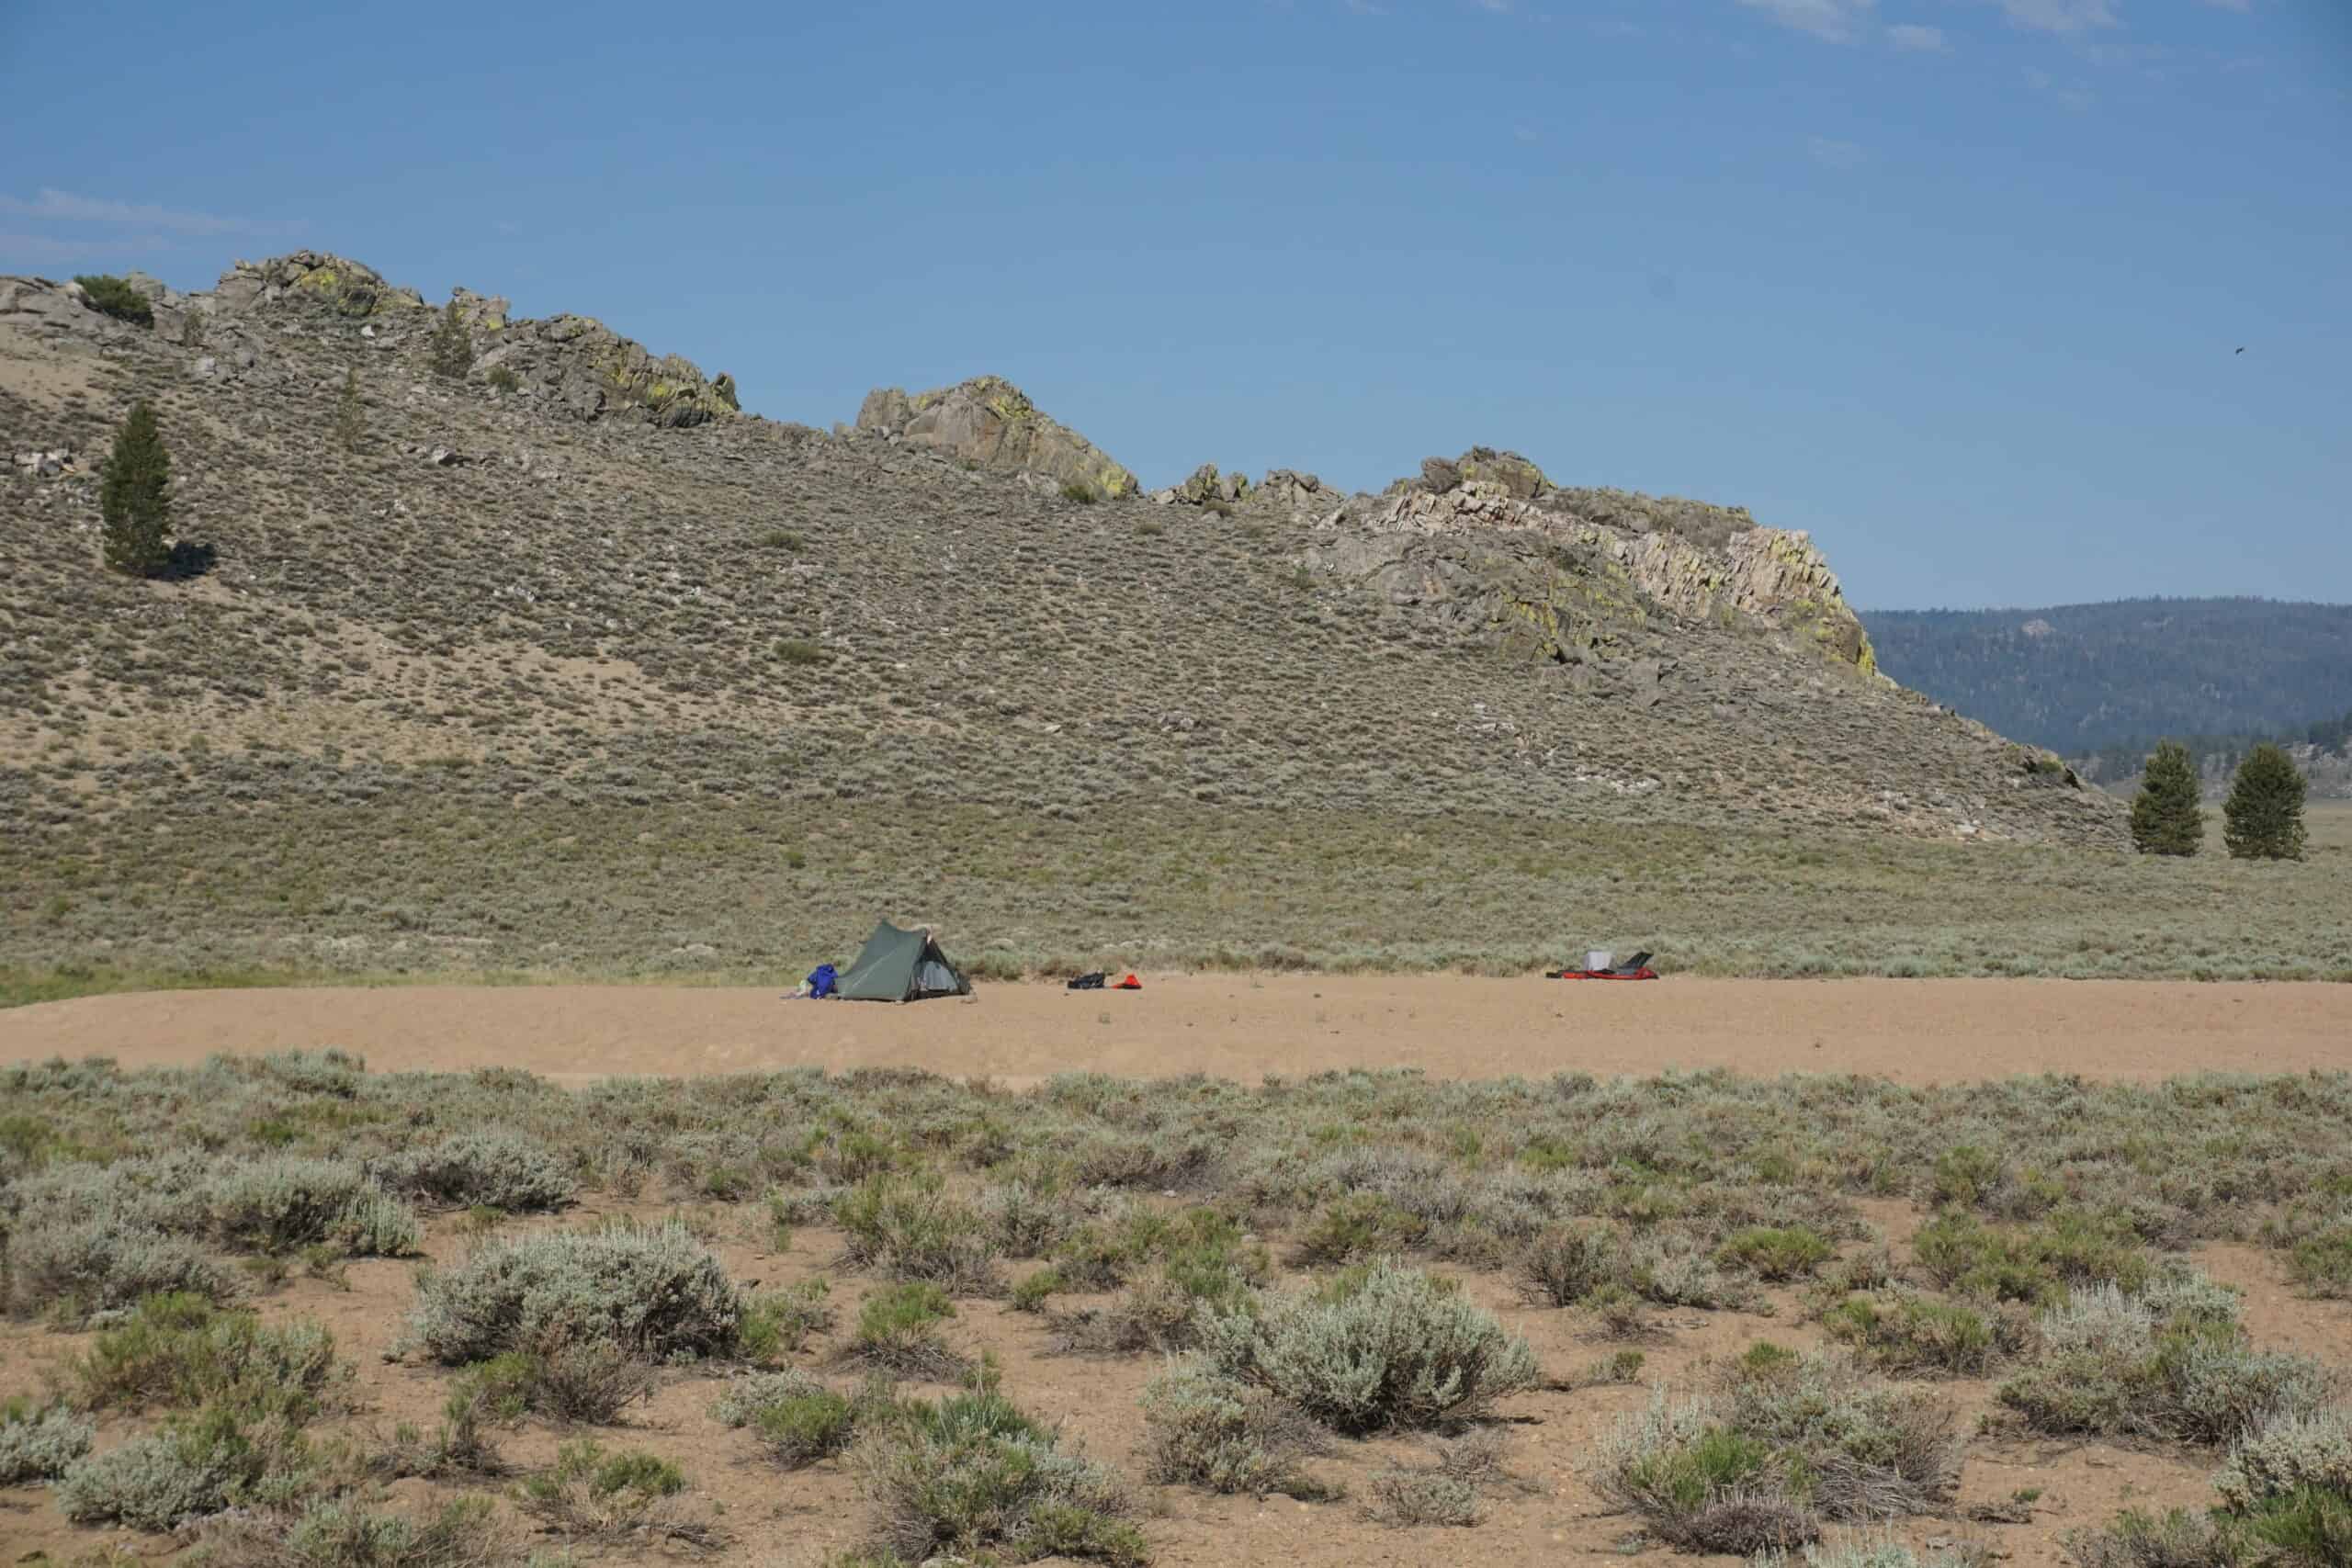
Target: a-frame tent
x,y
902,966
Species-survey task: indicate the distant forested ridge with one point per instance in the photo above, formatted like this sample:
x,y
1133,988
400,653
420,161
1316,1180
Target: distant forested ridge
x,y
2079,678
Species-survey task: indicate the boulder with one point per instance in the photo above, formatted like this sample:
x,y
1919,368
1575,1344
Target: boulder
x,y
990,423
483,313
345,287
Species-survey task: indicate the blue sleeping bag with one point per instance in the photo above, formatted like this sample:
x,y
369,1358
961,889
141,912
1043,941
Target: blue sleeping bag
x,y
821,981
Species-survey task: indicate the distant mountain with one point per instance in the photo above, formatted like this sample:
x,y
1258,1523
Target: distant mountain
x,y
2078,677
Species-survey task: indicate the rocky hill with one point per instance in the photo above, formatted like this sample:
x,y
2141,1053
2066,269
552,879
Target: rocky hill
x,y
577,579
580,542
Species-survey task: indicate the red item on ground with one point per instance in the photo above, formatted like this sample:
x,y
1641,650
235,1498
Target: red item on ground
x,y
1129,984
1643,973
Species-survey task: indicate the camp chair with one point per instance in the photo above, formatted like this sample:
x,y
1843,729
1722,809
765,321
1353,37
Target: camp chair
x,y
1633,966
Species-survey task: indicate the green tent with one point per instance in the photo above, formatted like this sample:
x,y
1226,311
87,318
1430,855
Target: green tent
x,y
902,966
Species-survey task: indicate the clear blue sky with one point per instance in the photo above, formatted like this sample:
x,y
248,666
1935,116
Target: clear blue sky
x,y
1955,283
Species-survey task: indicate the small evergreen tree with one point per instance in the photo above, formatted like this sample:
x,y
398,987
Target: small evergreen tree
x,y
452,348
135,501
2263,818
2165,819
350,420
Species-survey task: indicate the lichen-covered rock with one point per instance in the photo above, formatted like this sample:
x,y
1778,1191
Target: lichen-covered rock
x,y
991,423
483,313
584,370
343,286
1514,475
1584,574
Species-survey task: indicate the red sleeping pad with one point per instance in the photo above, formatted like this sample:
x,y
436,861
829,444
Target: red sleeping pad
x,y
1643,973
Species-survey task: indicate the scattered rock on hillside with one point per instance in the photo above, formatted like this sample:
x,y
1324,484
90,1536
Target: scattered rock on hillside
x,y
347,287
991,423
584,369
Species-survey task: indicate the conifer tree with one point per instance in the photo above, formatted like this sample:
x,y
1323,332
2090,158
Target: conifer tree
x,y
134,502
350,420
2263,818
2165,816
452,348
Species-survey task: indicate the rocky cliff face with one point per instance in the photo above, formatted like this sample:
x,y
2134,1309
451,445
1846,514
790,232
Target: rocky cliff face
x,y
987,422
1507,557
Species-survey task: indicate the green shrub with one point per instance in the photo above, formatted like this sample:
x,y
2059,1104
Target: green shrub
x,y
1409,1497
1204,1430
910,1229
1701,1486
778,1322
2322,1264
596,1494
2036,1264
1031,1292
350,413
1078,490
178,1352
1905,1332
502,378
899,1328
655,1294
1357,1227
800,650
135,497
972,1476
1775,1254
37,1443
1391,1348
2263,818
115,297
798,1419
2167,814
1965,1177
496,1168
2310,1528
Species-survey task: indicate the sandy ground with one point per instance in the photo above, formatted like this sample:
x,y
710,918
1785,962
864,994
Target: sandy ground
x,y
1244,1027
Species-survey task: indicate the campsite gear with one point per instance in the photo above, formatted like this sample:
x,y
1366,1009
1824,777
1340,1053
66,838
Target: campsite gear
x,y
822,980
1599,958
902,966
1129,984
1635,968
1089,982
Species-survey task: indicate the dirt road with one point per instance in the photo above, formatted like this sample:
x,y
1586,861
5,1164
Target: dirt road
x,y
1244,1027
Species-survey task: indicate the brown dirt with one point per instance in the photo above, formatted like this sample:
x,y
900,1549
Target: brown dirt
x,y
1244,1027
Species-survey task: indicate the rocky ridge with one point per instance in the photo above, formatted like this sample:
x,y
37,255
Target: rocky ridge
x,y
589,578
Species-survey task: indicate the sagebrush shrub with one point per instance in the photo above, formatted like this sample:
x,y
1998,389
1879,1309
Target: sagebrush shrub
x,y
897,1327
1775,1254
1865,1449
1205,1429
2170,1361
196,1465
2176,1539
973,1476
76,1268
1567,1263
1701,1486
654,1293
2288,1453
1904,1331
1391,1348
339,1532
280,1204
116,296
37,1443
598,1494
497,1168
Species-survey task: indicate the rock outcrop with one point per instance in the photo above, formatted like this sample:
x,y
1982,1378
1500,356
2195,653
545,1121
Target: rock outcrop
x,y
990,423
1512,556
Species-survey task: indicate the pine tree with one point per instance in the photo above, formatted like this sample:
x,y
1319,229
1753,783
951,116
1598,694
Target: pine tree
x,y
350,420
135,500
453,344
2165,817
2263,818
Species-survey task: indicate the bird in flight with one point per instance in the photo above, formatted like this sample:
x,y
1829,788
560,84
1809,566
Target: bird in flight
x,y
2240,351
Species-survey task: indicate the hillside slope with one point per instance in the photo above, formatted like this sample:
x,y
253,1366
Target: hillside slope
x,y
578,583
2078,677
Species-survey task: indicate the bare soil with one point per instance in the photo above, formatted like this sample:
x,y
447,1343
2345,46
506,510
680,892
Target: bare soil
x,y
1245,1026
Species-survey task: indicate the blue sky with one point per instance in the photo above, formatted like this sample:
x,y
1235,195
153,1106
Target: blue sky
x,y
1955,283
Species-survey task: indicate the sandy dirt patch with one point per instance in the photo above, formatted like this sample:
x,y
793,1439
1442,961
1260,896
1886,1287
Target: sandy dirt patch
x,y
1243,1027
